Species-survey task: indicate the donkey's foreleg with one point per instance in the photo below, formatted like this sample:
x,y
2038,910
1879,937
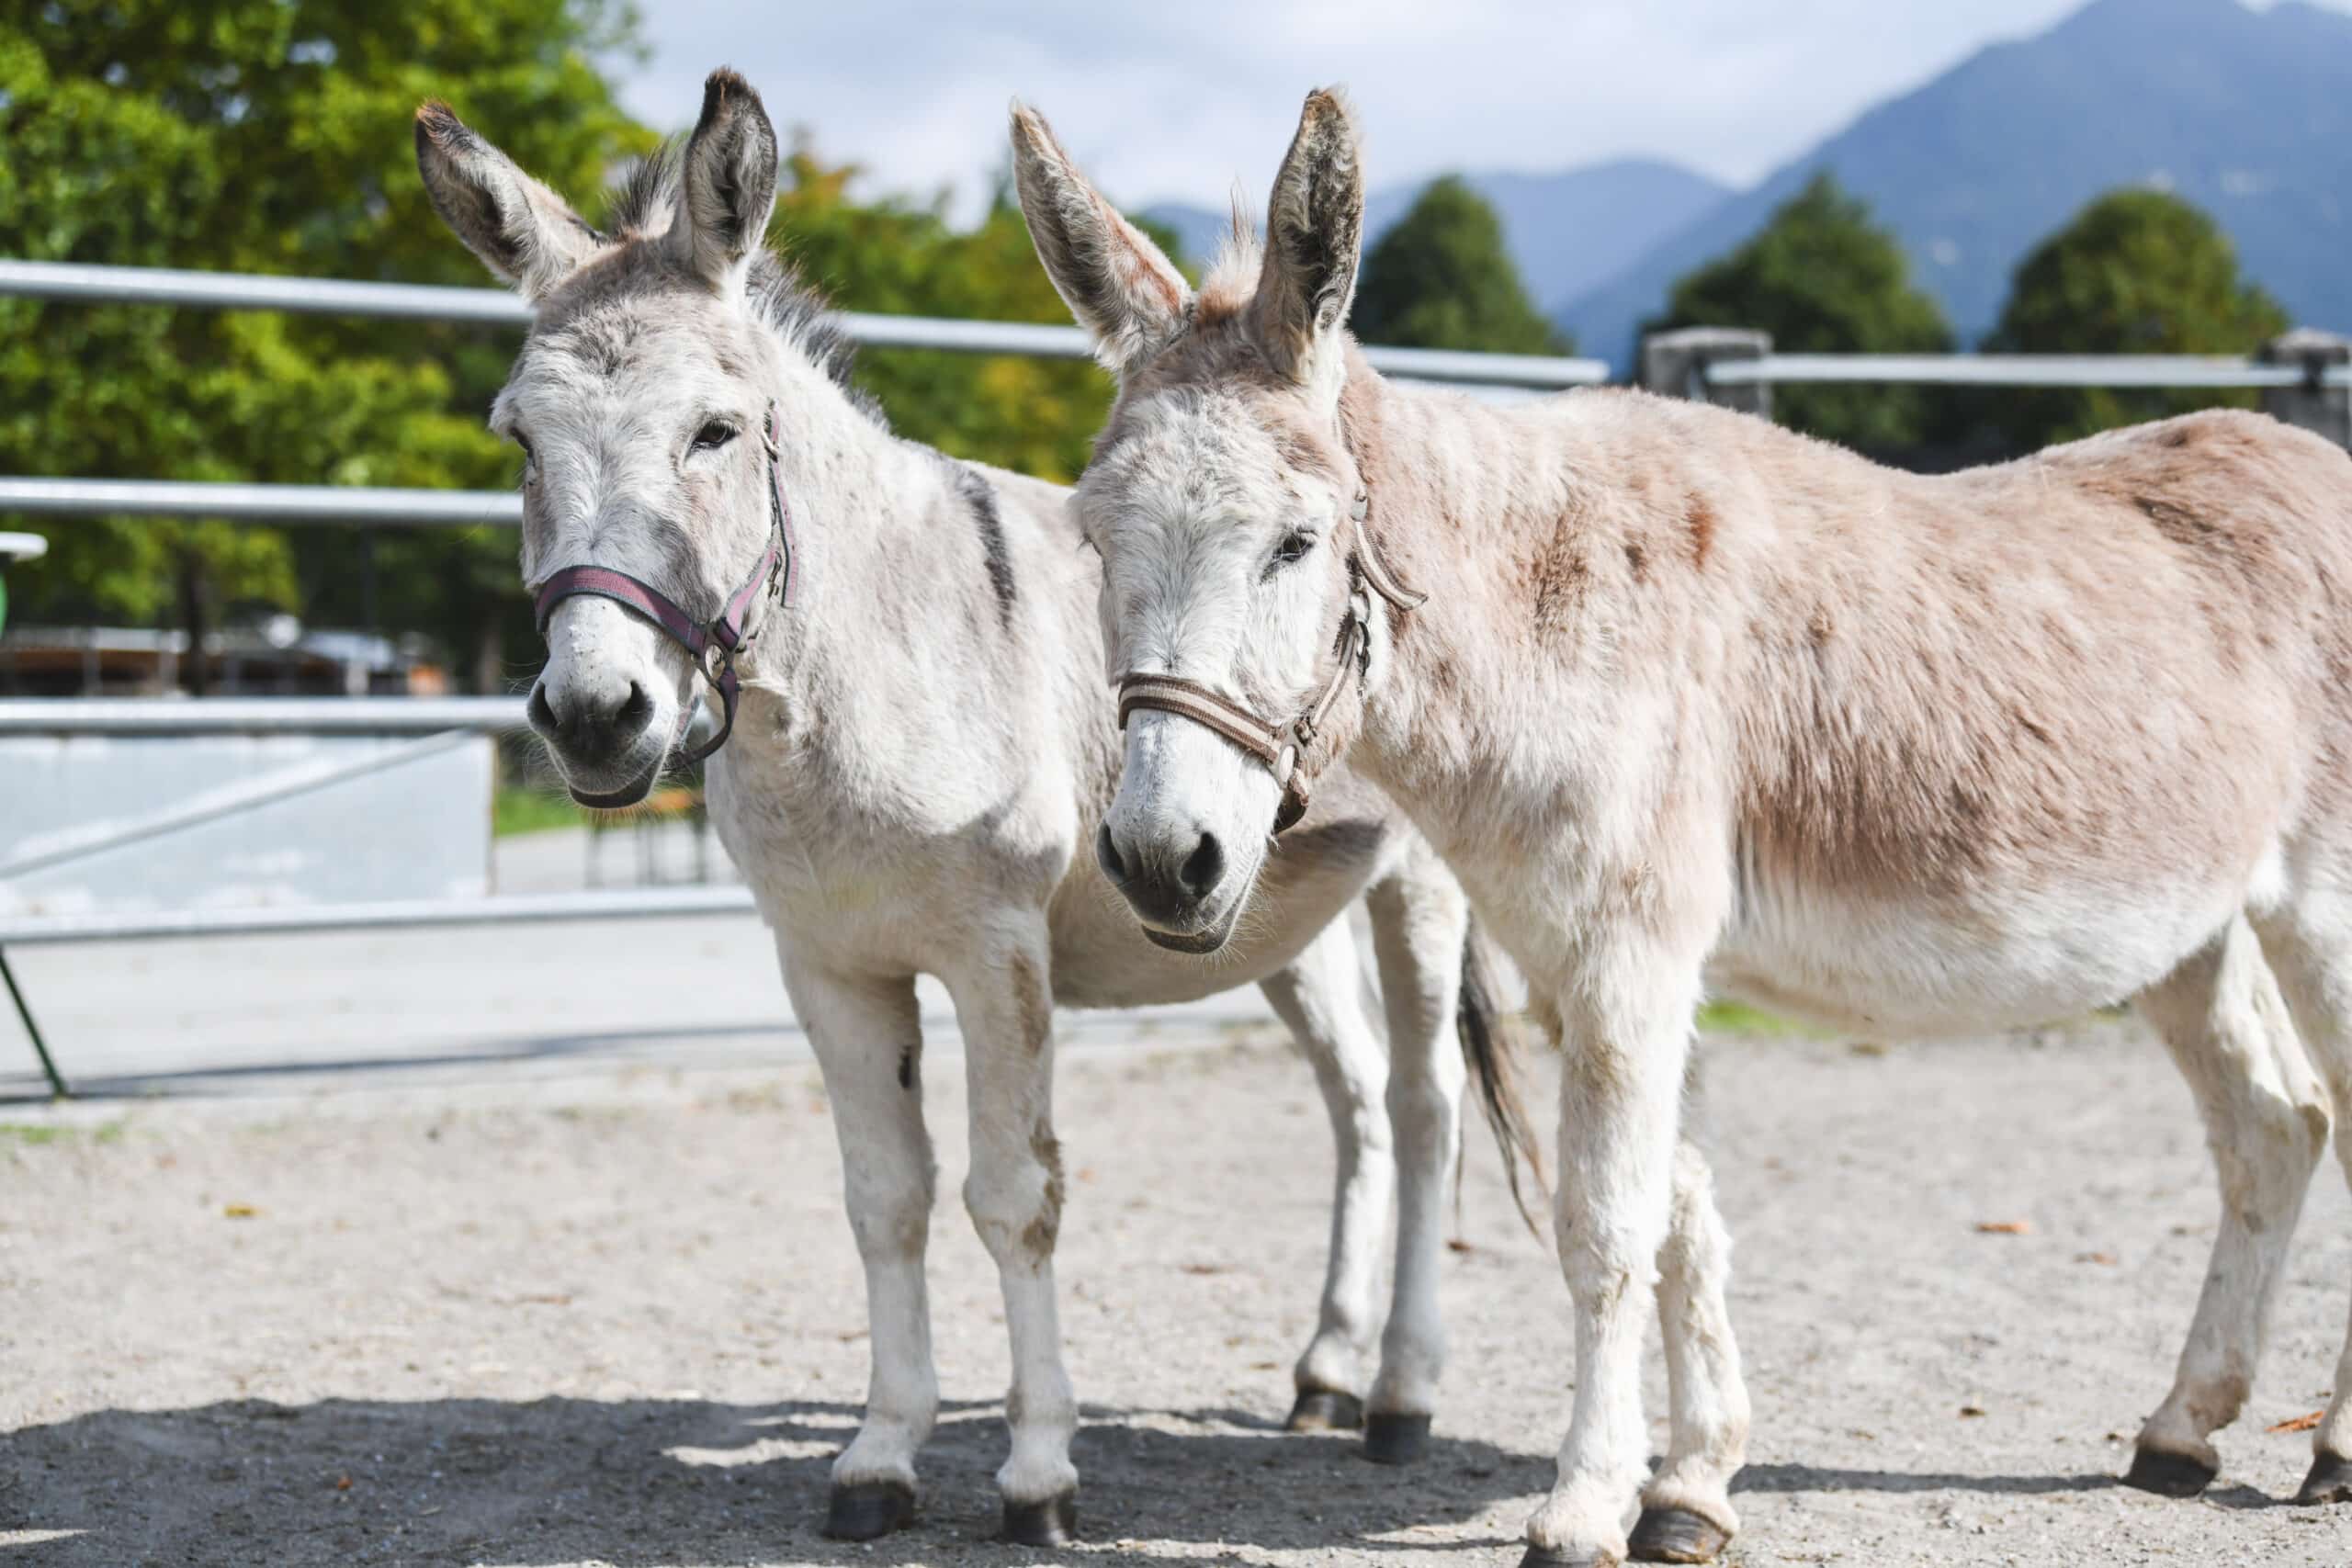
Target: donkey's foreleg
x,y
1004,1002
1320,999
1687,1515
1420,923
2266,1119
868,1040
1626,1026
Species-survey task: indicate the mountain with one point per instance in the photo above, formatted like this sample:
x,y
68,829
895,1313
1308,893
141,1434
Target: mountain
x,y
2243,112
1566,231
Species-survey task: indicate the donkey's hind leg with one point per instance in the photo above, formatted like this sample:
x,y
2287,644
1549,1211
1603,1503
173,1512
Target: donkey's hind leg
x,y
1687,1515
2220,1015
1420,924
868,1040
1320,999
2309,947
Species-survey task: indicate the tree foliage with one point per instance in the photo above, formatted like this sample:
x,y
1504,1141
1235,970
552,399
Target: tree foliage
x,y
272,136
1821,277
2135,272
893,256
1442,277
269,136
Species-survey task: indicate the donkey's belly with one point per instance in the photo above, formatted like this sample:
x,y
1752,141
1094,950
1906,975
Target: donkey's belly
x,y
1886,964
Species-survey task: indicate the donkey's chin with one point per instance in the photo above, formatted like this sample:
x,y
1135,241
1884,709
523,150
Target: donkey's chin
x,y
1202,939
612,789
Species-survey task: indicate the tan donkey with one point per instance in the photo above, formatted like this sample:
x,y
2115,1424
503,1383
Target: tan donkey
x,y
1688,700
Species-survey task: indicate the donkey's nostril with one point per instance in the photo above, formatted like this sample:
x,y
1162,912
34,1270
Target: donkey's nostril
x,y
540,713
1106,855
636,711
1202,867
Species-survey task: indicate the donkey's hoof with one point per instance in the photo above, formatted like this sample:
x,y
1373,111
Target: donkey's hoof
x,y
1676,1535
1324,1410
1053,1522
1394,1437
867,1510
2168,1474
2330,1481
1551,1556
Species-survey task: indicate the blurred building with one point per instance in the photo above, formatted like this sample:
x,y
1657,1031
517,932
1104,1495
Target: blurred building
x,y
278,658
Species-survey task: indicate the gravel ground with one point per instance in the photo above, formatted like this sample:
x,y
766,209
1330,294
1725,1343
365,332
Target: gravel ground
x,y
618,1321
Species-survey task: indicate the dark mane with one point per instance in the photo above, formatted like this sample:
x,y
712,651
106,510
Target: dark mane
x,y
646,198
643,205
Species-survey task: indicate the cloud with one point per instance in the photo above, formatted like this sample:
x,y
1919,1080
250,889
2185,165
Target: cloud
x,y
1168,102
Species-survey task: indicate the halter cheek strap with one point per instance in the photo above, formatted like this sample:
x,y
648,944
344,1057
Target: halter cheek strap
x,y
1282,747
711,644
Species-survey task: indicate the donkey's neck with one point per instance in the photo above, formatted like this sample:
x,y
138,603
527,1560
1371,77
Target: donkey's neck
x,y
860,499
1467,509
907,632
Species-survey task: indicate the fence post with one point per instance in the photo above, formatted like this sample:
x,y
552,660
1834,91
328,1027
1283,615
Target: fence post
x,y
2315,407
1674,363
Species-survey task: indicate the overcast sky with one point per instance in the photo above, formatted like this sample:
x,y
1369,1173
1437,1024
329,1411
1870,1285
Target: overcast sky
x,y
1180,100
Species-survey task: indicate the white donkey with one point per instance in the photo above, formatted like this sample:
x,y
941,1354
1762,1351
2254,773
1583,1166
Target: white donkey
x,y
924,748
1681,694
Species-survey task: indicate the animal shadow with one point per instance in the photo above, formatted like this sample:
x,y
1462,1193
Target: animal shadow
x,y
640,1483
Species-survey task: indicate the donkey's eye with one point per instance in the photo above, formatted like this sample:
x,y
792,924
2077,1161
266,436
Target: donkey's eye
x,y
714,436
1290,551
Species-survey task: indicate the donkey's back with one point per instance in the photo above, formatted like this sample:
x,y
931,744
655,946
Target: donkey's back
x,y
2070,712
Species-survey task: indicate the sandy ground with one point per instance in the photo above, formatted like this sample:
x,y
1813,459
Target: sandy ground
x,y
617,1320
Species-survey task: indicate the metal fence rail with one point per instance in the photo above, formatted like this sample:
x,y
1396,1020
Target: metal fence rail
x,y
2018,370
412,301
433,722
394,915
389,915
257,715
351,506
364,507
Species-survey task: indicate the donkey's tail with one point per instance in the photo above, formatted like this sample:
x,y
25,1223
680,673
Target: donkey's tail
x,y
1493,1049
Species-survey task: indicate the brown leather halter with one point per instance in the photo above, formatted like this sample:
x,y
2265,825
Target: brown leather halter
x,y
1282,747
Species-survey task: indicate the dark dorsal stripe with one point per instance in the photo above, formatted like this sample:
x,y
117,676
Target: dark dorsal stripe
x,y
981,496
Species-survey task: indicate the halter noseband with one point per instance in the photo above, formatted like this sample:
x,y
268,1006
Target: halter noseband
x,y
712,644
1281,747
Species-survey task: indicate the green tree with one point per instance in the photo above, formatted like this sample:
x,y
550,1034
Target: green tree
x,y
1821,277
891,256
274,136
2135,272
1440,277
271,136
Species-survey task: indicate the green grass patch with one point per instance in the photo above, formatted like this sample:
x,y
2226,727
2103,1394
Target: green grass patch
x,y
33,1133
515,810
1738,1018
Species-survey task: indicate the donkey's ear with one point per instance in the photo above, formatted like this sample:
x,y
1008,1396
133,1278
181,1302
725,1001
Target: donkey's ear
x,y
1115,281
729,184
522,230
1313,234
